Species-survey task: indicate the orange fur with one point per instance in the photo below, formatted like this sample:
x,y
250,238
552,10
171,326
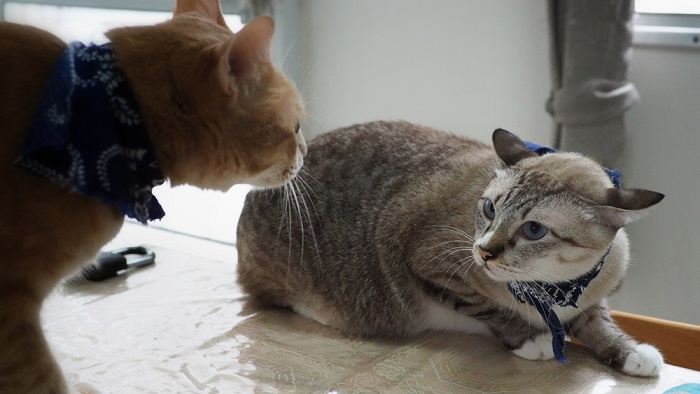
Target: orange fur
x,y
205,133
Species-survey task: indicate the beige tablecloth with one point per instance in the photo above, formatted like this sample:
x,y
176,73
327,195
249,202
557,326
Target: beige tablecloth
x,y
182,326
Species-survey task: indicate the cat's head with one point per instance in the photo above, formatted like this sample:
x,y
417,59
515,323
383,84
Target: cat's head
x,y
551,217
230,115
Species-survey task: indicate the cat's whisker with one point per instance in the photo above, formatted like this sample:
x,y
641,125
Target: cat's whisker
x,y
453,273
288,210
444,243
468,236
461,232
283,208
529,322
447,252
283,61
511,309
307,173
444,227
544,292
549,276
447,271
561,280
301,222
308,215
305,186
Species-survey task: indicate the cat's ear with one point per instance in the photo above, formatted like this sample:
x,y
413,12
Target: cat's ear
x,y
624,206
510,148
210,9
247,49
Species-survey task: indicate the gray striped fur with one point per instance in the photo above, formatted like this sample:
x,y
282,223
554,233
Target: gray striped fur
x,y
385,220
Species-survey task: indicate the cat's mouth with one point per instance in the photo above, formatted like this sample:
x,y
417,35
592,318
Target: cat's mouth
x,y
275,177
493,269
290,173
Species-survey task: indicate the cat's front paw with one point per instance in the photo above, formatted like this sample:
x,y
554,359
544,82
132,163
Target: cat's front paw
x,y
643,360
537,348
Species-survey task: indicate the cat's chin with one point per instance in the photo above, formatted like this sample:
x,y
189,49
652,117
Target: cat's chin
x,y
494,275
273,183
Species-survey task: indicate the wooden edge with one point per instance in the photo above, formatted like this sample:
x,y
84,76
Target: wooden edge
x,y
678,342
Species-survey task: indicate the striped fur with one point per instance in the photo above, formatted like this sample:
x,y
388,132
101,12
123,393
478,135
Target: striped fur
x,y
395,217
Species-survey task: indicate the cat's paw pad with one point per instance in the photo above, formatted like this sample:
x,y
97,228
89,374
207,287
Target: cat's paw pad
x,y
538,348
643,360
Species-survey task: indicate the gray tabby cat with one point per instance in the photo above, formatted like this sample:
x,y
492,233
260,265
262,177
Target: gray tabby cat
x,y
411,229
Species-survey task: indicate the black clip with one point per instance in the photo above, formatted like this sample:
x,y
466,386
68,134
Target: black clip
x,y
110,264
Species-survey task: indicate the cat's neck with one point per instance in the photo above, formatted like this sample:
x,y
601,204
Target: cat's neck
x,y
156,61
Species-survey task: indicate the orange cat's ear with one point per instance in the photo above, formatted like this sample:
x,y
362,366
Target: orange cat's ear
x,y
210,9
247,49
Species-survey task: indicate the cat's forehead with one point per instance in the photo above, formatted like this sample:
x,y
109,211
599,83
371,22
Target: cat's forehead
x,y
554,174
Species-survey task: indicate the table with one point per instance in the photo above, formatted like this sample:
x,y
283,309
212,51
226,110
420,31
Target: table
x,y
183,325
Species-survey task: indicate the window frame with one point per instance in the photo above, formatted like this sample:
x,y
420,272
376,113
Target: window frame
x,y
667,30
227,6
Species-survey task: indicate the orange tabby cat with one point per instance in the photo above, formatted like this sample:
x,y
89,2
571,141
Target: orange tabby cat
x,y
216,111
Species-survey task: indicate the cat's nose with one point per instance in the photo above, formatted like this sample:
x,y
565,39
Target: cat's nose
x,y
485,254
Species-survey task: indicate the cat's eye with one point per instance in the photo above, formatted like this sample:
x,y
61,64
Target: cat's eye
x,y
489,209
296,130
534,230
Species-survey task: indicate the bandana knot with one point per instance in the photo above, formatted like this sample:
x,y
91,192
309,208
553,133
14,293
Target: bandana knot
x,y
543,296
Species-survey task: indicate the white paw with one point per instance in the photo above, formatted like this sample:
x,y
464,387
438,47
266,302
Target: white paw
x,y
538,348
644,360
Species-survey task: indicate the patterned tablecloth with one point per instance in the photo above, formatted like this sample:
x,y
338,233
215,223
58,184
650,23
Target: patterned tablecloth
x,y
183,326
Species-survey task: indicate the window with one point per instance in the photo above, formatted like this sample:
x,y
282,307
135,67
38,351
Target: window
x,y
205,214
667,23
667,6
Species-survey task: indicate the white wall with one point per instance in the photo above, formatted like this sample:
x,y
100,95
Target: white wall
x,y
663,155
462,66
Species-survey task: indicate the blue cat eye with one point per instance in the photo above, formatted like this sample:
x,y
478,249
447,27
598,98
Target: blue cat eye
x,y
489,209
534,230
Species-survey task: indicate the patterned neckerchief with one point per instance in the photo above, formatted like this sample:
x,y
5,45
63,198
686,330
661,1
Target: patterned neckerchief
x,y
543,296
88,134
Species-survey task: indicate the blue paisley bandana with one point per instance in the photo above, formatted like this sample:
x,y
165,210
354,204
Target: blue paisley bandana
x,y
88,135
543,296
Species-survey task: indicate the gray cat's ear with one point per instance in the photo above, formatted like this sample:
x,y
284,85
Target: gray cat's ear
x,y
624,206
509,147
240,56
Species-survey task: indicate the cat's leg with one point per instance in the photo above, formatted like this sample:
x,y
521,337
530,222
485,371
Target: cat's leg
x,y
525,340
521,336
69,230
26,363
596,329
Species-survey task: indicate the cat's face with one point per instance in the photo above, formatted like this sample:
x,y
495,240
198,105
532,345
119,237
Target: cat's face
x,y
246,109
549,218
